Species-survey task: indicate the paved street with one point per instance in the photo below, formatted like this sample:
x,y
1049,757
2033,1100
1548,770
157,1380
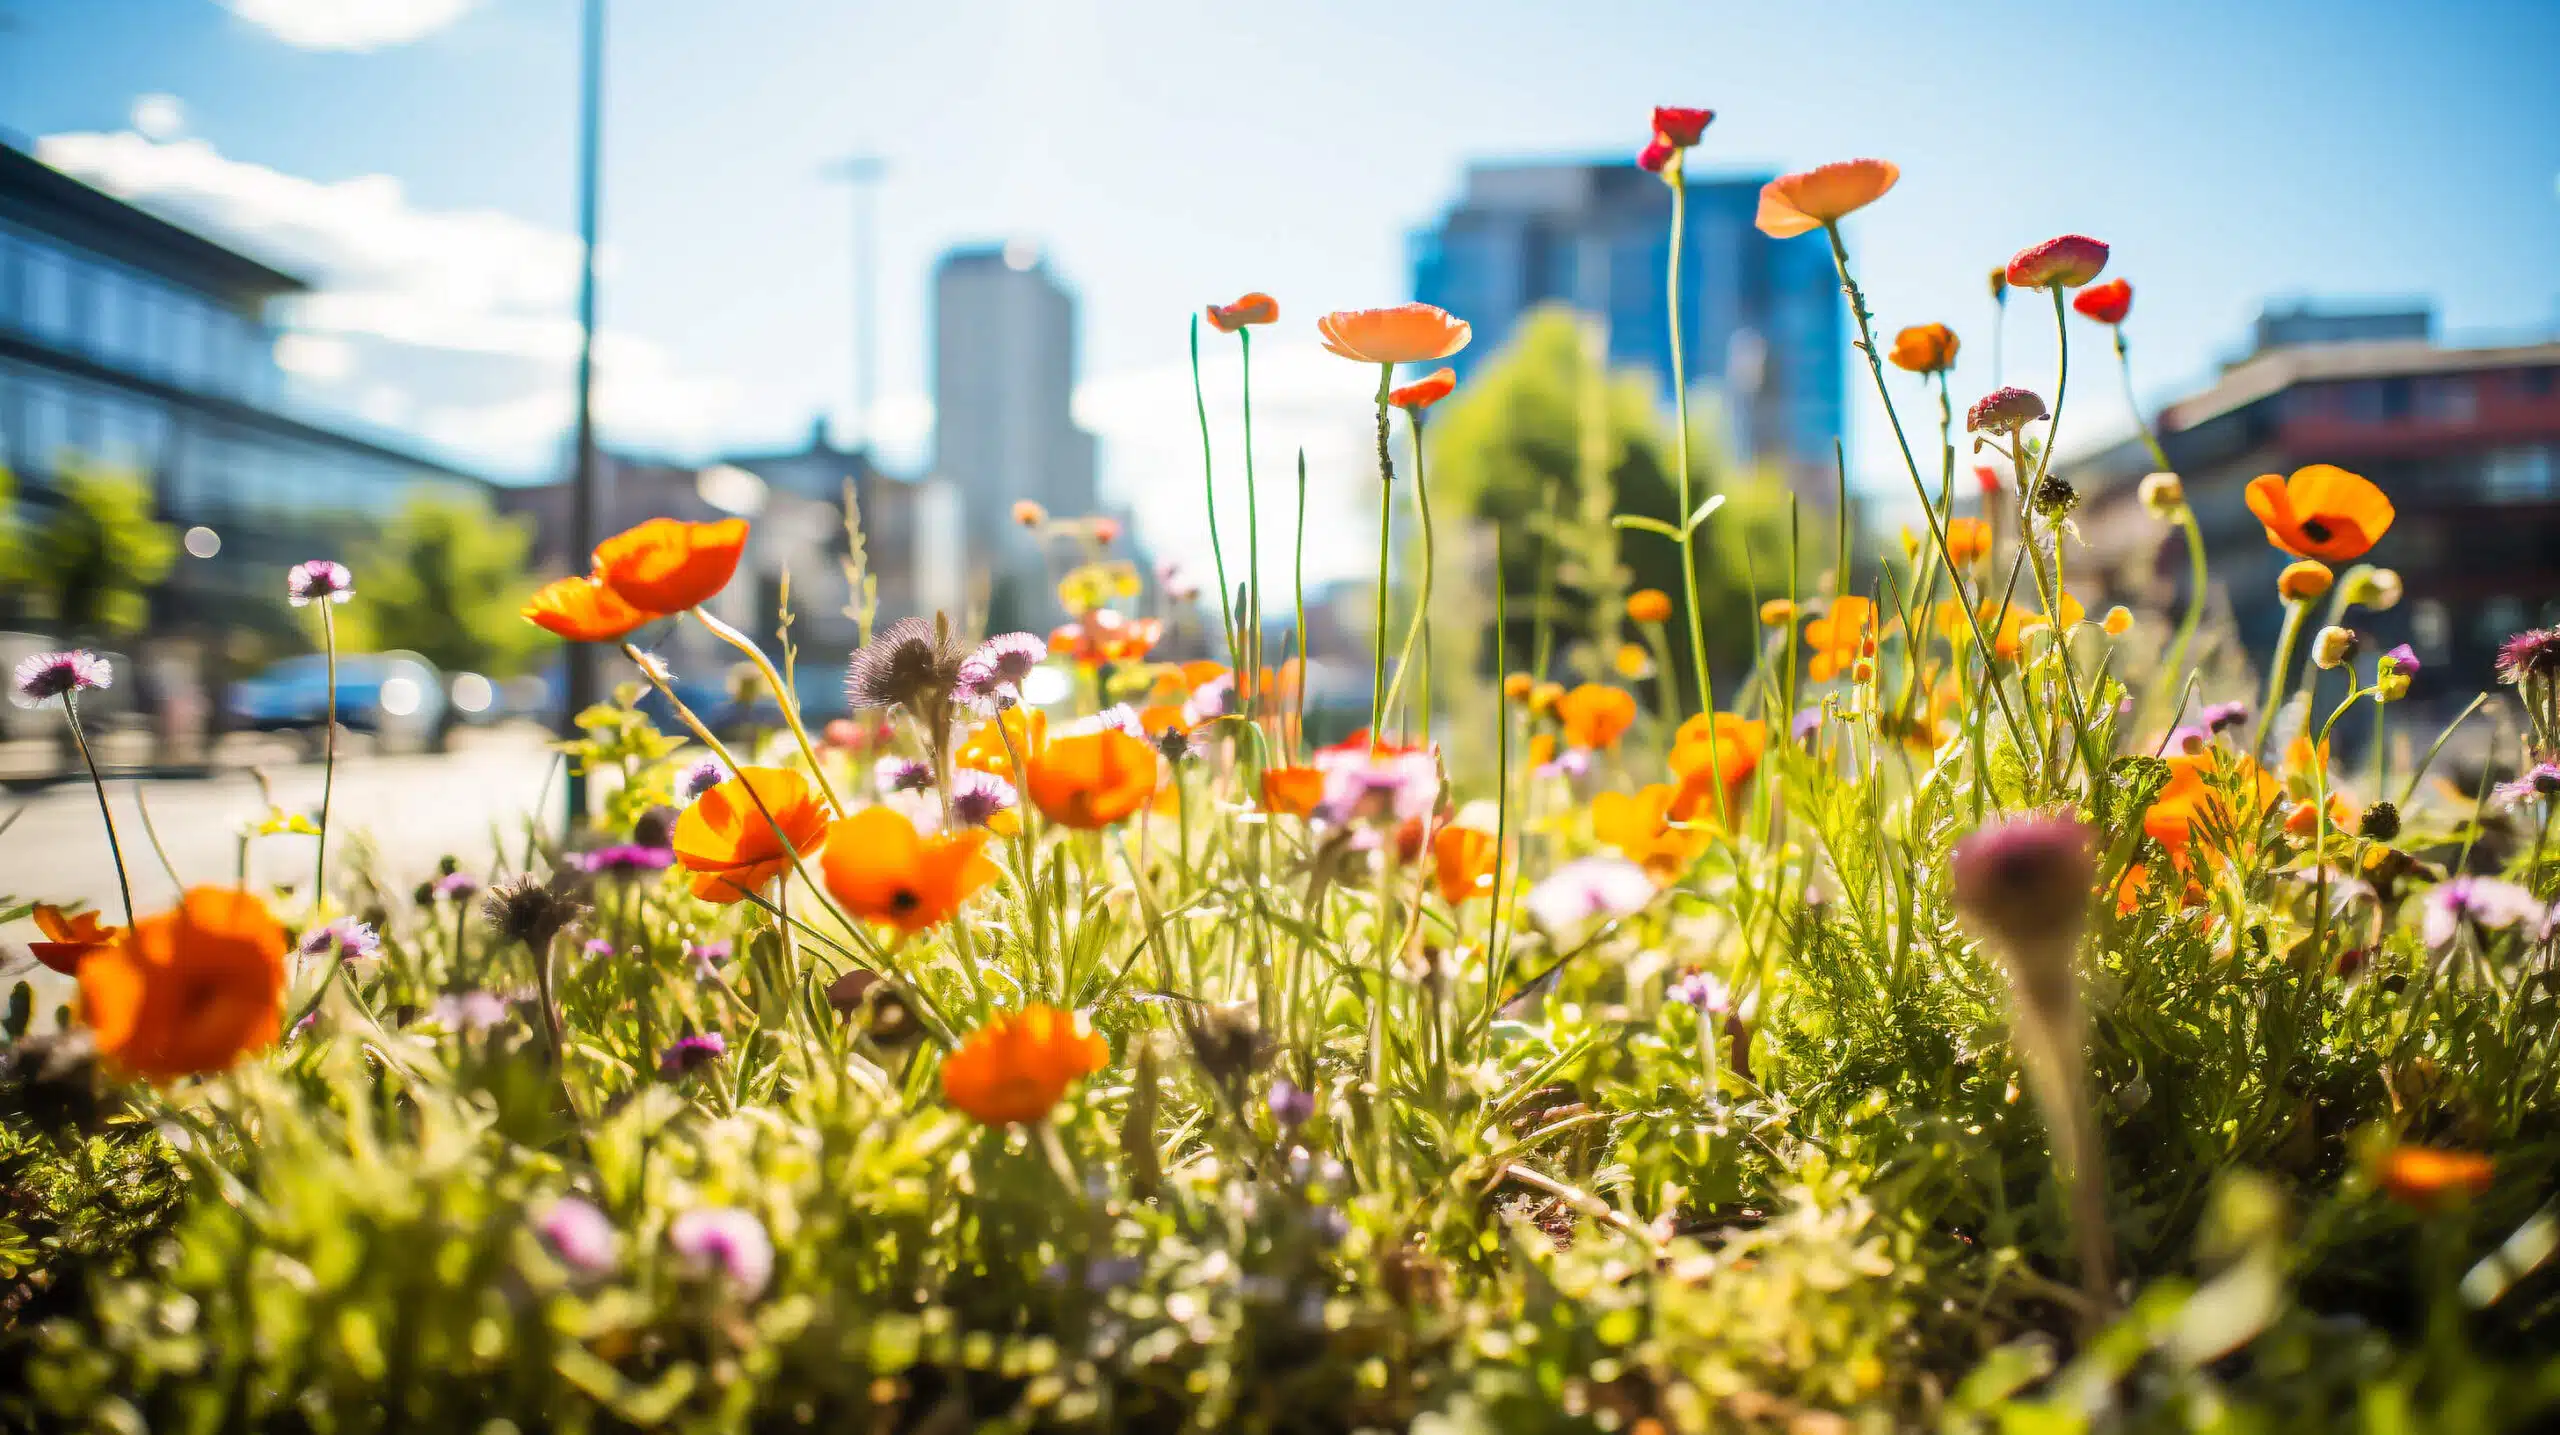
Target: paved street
x,y
412,809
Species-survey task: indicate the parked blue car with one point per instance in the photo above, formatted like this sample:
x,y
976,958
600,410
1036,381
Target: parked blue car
x,y
396,696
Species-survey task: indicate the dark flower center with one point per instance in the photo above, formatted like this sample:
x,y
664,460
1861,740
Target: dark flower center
x,y
904,900
2315,530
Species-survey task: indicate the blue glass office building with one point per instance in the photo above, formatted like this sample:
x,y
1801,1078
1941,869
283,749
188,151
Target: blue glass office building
x,y
1762,327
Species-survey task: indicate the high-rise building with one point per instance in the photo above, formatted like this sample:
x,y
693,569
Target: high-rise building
x,y
1761,325
1004,374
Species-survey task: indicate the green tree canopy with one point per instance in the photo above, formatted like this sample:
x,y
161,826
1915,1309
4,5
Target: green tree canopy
x,y
91,564
445,580
1512,448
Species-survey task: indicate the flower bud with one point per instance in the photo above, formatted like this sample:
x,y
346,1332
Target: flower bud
x,y
2371,587
2164,496
2303,581
1544,696
1516,687
2055,498
2003,411
2118,622
2381,822
2334,648
1777,613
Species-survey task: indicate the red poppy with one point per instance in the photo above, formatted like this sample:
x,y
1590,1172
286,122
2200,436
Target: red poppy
x,y
1655,157
1255,308
1422,393
2107,303
667,566
2064,262
1680,127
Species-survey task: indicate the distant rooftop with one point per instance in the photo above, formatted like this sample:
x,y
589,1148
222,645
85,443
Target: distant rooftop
x,y
2272,371
2305,322
36,194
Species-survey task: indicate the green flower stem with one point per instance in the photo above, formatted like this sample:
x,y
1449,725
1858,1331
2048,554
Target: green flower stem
x,y
1422,605
1937,530
2141,425
783,698
115,849
1209,491
1298,584
1680,449
2187,625
1251,659
1386,517
329,761
2276,673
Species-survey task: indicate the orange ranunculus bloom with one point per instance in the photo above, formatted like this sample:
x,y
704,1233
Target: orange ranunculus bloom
x,y
1402,334
1020,1064
1092,779
1595,717
1715,760
1838,637
2009,624
2213,799
2304,818
1925,349
1422,393
2321,512
189,991
1649,605
1201,670
880,869
2304,758
1157,719
1462,858
1254,308
667,565
582,610
985,749
1105,636
1794,204
2137,877
1968,541
69,938
725,840
2428,1178
1294,790
1639,825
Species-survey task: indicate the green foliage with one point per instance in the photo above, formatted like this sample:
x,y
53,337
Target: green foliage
x,y
445,579
91,564
1512,447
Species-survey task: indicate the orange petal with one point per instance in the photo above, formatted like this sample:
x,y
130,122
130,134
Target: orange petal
x,y
583,611
667,566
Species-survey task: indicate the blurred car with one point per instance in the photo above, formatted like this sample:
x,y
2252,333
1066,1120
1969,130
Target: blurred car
x,y
398,697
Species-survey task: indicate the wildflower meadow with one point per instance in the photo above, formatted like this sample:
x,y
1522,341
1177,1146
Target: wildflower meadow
x,y
1967,1012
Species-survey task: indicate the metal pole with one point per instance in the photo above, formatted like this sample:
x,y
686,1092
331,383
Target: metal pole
x,y
582,494
862,173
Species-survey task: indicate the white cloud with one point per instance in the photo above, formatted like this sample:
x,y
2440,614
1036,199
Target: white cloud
x,y
349,24
161,117
455,323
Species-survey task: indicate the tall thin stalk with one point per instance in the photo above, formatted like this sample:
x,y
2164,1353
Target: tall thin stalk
x,y
1250,661
329,749
1209,491
115,849
1386,523
1680,448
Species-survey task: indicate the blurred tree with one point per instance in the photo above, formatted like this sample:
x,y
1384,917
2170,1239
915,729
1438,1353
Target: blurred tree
x,y
13,545
1512,448
89,567
445,580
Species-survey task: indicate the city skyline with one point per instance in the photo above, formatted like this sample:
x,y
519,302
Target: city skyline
x,y
446,245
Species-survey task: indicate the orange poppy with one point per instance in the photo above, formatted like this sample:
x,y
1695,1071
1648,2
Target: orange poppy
x,y
1092,779
880,869
189,991
1422,393
1401,334
1019,1065
69,938
2321,512
1294,790
2137,878
1542,749
582,610
2197,803
1105,636
725,841
1639,825
667,565
1028,513
1157,719
2303,758
2429,1178
1925,349
2009,624
1838,636
1462,857
2304,819
1717,759
1200,671
1254,308
1968,541
1794,204
1595,717
986,749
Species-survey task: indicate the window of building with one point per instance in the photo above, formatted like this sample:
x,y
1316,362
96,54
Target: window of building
x,y
46,293
2429,631
2451,400
2524,474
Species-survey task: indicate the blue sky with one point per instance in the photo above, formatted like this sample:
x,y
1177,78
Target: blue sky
x,y
417,155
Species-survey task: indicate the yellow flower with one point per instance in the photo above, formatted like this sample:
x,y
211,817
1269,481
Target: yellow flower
x,y
1632,662
2118,622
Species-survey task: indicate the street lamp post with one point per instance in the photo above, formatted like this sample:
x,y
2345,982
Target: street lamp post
x,y
582,494
862,173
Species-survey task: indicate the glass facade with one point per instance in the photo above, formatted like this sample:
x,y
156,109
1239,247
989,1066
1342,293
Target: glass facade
x,y
1761,323
128,343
